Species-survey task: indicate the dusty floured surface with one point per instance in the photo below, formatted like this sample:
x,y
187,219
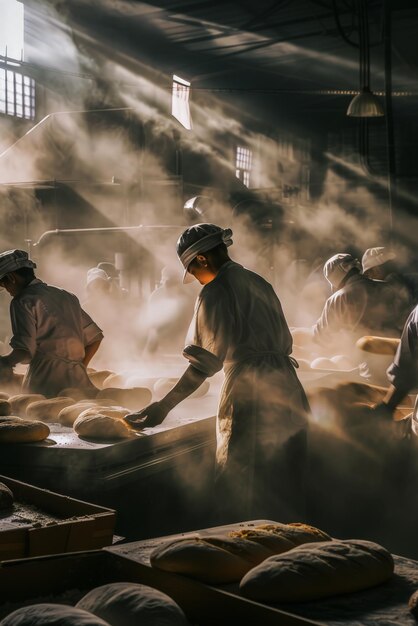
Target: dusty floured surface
x,y
23,514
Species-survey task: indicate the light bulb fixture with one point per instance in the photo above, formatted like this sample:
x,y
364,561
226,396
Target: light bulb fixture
x,y
364,104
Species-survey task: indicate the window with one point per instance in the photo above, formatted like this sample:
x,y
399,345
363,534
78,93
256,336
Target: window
x,y
180,107
17,91
243,164
17,94
11,29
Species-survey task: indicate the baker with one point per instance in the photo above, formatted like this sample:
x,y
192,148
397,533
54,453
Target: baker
x,y
403,372
51,331
261,423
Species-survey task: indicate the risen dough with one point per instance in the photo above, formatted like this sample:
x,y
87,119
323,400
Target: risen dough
x,y
98,377
321,363
51,615
135,398
6,497
47,410
69,414
17,430
20,402
130,604
102,427
320,570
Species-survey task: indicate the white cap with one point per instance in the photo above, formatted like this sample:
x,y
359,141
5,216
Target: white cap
x,y
337,268
96,274
376,256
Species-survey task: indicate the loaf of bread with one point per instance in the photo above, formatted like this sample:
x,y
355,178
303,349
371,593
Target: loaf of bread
x,y
320,570
101,427
413,604
21,401
68,415
130,604
135,398
15,429
51,615
378,345
224,559
98,377
47,410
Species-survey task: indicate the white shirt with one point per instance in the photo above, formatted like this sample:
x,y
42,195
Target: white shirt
x,y
49,321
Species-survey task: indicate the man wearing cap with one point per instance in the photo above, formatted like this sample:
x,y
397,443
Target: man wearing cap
x,y
378,264
51,331
358,305
261,424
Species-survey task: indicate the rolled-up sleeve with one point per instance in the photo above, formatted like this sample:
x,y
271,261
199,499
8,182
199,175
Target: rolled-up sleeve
x,y
91,332
212,327
403,373
23,327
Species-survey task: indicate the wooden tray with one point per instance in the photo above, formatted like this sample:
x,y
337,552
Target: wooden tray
x,y
60,578
81,526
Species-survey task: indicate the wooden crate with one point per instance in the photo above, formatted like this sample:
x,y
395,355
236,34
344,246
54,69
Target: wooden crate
x,y
44,579
82,526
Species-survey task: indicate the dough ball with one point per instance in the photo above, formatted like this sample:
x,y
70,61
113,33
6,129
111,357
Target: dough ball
x,y
6,497
14,429
413,604
378,345
51,615
100,427
117,412
4,395
342,362
20,402
5,408
135,399
137,380
130,604
321,363
114,380
98,377
69,414
78,394
47,410
164,385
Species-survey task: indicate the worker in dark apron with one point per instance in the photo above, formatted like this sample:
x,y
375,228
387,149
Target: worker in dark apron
x,y
262,416
51,331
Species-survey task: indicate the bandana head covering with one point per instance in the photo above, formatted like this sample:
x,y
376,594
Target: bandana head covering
x,y
337,268
197,239
376,256
13,260
96,274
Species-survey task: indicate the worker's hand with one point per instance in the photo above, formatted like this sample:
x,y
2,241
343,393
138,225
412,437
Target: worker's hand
x,y
153,415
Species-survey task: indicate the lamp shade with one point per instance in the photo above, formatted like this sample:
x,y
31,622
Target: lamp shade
x,y
365,104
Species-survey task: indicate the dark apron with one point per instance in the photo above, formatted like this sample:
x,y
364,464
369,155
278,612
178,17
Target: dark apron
x,y
49,375
261,440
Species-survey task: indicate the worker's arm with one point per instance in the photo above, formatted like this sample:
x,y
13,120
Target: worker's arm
x,y
90,351
155,413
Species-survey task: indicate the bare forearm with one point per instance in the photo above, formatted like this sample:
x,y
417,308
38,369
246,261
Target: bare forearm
x,y
90,351
188,383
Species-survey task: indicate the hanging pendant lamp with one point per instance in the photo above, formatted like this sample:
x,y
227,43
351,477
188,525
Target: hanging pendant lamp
x,y
364,104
